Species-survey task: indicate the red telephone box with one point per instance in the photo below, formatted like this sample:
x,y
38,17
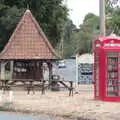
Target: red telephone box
x,y
107,68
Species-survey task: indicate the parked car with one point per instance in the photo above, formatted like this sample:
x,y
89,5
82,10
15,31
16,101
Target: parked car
x,y
72,57
61,64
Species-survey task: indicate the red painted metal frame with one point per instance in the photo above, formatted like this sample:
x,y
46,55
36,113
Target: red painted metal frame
x,y
102,46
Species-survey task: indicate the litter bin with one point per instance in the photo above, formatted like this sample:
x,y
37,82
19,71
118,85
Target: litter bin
x,y
54,83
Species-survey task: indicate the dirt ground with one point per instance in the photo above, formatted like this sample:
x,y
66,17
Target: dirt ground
x,y
59,106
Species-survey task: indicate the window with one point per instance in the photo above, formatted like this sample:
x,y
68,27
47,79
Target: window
x,y
113,79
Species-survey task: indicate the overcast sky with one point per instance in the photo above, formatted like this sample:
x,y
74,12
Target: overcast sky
x,y
79,8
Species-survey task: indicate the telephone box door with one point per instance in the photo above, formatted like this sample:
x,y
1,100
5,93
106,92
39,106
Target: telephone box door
x,y
113,77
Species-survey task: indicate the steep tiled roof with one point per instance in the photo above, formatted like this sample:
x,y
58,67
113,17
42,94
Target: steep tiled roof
x,y
28,41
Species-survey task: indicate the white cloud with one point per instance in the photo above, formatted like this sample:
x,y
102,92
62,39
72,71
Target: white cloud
x,y
79,8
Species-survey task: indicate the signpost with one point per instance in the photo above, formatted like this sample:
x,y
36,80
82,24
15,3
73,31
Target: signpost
x,y
76,82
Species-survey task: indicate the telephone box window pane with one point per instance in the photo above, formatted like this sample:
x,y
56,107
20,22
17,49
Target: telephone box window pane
x,y
113,81
113,54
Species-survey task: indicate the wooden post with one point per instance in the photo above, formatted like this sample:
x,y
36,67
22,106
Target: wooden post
x,y
43,87
3,76
41,71
11,69
2,71
71,88
50,72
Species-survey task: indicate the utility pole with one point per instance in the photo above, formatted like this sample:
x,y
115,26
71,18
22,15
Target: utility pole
x,y
62,46
102,17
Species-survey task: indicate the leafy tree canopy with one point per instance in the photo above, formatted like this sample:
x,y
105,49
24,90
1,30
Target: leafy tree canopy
x,y
88,31
50,14
113,17
112,3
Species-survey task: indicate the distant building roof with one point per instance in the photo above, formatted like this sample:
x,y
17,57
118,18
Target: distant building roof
x,y
28,41
86,58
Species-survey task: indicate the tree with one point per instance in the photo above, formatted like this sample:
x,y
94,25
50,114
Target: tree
x,y
88,31
9,18
112,16
50,14
69,47
112,3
